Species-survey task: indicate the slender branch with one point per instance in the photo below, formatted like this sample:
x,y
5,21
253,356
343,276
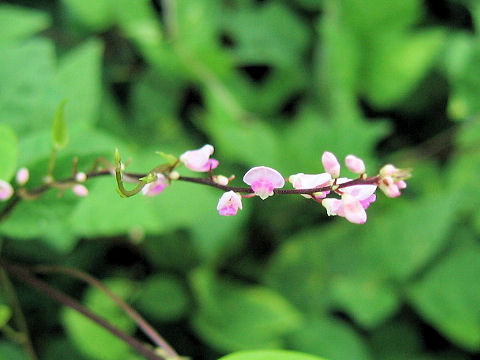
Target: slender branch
x,y
141,322
19,317
60,297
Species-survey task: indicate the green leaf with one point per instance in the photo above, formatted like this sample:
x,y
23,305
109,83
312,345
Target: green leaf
x,y
59,128
91,339
162,297
397,63
20,22
79,76
448,295
233,317
97,15
28,92
269,355
47,218
9,351
330,338
8,152
5,315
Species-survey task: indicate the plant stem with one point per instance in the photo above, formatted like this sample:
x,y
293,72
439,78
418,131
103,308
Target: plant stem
x,y
18,314
60,297
141,322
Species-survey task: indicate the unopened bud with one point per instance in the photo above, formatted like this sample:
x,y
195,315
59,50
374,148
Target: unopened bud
x,y
6,190
355,164
81,177
220,180
174,175
331,164
22,176
80,190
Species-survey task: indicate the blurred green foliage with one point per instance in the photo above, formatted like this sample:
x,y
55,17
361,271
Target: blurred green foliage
x,y
271,83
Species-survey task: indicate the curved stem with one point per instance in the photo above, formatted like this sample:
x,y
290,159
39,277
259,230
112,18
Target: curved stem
x,y
141,322
18,315
60,297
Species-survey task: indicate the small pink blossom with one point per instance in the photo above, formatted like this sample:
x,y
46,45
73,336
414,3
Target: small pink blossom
x,y
155,187
263,180
199,160
310,181
392,180
6,190
80,190
22,176
229,203
355,199
355,164
331,164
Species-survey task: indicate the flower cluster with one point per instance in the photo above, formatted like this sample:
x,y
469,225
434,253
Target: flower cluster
x,y
352,196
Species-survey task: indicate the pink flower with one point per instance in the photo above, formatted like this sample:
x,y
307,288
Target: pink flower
x,y
199,160
310,181
355,199
22,176
263,180
392,180
355,164
229,203
80,190
155,187
331,164
6,190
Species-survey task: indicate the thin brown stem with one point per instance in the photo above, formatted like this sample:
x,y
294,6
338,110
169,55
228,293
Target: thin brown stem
x,y
157,339
25,275
18,315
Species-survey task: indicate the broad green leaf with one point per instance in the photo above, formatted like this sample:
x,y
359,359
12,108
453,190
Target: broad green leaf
x,y
162,297
266,34
400,240
79,76
28,92
97,15
448,295
329,338
46,218
59,128
269,355
91,339
11,351
21,22
8,152
397,62
233,317
369,299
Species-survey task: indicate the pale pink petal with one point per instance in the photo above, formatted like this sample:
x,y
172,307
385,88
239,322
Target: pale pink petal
x,y
6,190
155,187
229,203
355,164
353,209
199,160
333,206
361,192
263,180
22,176
331,164
310,181
80,190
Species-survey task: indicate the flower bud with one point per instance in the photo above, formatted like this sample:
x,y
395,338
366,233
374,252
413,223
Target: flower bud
x,y
331,164
81,177
80,190
355,164
6,190
22,176
174,175
220,180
